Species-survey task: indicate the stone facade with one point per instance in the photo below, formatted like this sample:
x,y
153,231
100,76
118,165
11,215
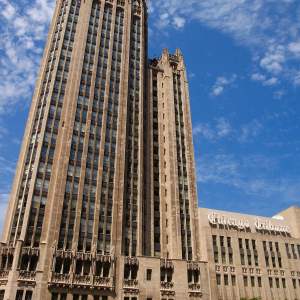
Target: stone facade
x,y
251,256
106,174
104,201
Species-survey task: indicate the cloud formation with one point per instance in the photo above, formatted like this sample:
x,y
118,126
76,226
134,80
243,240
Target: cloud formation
x,y
222,128
249,174
221,83
269,28
23,32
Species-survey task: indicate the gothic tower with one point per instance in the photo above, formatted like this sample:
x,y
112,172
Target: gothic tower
x,y
104,204
76,199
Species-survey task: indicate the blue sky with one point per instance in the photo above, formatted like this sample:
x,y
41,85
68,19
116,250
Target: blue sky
x,y
243,61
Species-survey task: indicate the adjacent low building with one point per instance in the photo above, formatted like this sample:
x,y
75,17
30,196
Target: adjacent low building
x,y
251,256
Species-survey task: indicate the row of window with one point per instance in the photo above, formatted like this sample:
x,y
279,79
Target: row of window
x,y
69,210
274,282
31,152
132,145
38,208
156,173
182,170
222,248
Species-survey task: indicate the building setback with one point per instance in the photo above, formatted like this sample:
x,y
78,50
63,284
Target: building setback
x,y
104,201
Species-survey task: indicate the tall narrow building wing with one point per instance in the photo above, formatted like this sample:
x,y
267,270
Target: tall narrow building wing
x,y
172,184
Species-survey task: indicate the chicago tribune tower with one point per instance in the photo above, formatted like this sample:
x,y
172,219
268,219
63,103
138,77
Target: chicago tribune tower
x,y
104,202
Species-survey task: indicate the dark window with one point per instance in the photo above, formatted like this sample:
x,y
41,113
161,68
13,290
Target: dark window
x,y
294,283
283,283
245,280
233,280
218,277
226,279
19,295
259,281
54,296
270,282
28,295
149,274
277,282
252,281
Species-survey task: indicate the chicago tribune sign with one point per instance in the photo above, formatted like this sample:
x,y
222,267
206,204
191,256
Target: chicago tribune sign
x,y
242,224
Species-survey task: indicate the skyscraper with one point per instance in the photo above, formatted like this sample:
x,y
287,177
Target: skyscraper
x,y
171,170
105,191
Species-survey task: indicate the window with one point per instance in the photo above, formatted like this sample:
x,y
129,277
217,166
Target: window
x,y
277,282
294,283
240,243
218,277
228,242
28,295
222,241
279,262
226,279
233,280
54,296
149,274
256,260
283,283
270,282
259,282
245,278
242,259
2,294
63,296
19,295
252,281
267,261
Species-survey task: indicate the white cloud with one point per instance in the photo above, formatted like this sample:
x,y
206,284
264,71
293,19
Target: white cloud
x,y
251,174
23,30
273,60
265,81
220,84
9,11
271,81
295,48
178,22
249,131
297,78
258,77
269,28
221,128
204,130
